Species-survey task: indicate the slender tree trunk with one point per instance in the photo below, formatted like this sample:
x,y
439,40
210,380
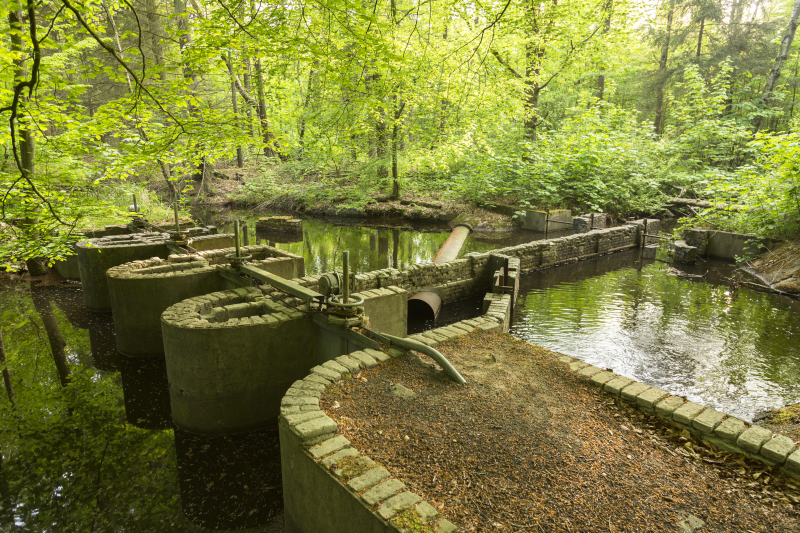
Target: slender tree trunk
x,y
306,106
246,76
601,78
57,344
239,154
156,35
270,144
783,53
700,37
396,113
380,146
658,122
794,91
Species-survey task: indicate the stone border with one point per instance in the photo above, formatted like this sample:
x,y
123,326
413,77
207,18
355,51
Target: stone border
x,y
726,432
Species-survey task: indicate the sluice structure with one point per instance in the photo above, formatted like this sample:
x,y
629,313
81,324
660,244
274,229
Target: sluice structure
x,y
237,326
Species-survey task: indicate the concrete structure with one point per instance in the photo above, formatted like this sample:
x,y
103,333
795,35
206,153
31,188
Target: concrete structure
x,y
140,291
723,244
685,253
279,224
554,220
584,223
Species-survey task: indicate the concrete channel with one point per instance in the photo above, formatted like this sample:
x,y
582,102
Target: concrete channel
x,y
238,326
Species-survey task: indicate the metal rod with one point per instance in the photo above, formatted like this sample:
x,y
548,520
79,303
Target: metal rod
x,y
280,283
409,344
135,207
346,269
175,207
245,233
236,238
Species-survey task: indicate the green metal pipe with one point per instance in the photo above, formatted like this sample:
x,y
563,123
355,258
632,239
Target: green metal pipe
x,y
236,237
409,344
346,269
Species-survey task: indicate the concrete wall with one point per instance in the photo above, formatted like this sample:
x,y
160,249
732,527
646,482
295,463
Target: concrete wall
x,y
555,220
212,242
230,358
719,244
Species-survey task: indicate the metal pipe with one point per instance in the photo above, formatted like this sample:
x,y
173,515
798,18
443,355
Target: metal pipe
x,y
177,220
135,207
346,270
452,246
236,238
409,344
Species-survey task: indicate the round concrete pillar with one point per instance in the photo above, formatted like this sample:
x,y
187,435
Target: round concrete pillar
x,y
96,256
231,356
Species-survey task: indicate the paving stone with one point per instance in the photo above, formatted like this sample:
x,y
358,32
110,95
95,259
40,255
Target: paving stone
x,y
390,507
793,461
491,326
316,378
778,448
299,400
686,413
396,352
577,365
426,511
326,373
336,367
293,391
424,340
362,462
633,390
379,356
332,460
589,371
308,385
615,386
444,525
289,409
667,406
368,479
313,429
331,445
708,420
462,326
403,391
730,429
649,398
299,418
449,333
690,523
380,492
598,380
352,364
366,361
753,438
565,359
471,322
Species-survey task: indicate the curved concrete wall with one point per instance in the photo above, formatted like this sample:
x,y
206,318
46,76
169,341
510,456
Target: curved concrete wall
x,y
141,290
96,256
231,356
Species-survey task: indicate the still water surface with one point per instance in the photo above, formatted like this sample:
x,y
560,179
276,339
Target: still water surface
x,y
735,350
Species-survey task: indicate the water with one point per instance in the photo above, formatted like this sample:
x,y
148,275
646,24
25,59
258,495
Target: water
x,y
735,350
373,245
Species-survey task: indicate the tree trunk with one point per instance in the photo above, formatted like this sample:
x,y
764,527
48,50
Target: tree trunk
x,y
239,154
156,34
306,106
601,78
380,146
658,122
783,53
57,344
184,40
397,113
246,76
700,37
270,145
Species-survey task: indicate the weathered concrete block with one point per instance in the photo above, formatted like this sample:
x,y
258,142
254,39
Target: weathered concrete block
x,y
708,420
382,491
598,380
350,363
367,361
379,356
326,373
566,359
615,386
633,390
577,365
667,406
793,461
368,479
589,371
300,400
328,446
299,418
444,525
686,413
333,460
336,367
390,507
778,448
753,438
649,398
730,429
316,428
426,511
685,253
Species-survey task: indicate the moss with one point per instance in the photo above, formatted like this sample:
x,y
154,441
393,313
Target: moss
x,y
351,466
409,521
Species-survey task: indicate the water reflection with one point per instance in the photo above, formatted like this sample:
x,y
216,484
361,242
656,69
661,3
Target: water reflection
x,y
372,246
231,481
732,350
145,389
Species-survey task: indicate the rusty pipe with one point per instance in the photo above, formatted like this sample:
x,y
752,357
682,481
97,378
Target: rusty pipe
x,y
452,246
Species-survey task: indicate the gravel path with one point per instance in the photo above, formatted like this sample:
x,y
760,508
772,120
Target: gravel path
x,y
527,446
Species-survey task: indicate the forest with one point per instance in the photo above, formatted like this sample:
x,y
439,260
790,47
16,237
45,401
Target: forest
x,y
681,108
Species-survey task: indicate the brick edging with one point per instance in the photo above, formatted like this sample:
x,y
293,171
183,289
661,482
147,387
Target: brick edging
x,y
726,432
